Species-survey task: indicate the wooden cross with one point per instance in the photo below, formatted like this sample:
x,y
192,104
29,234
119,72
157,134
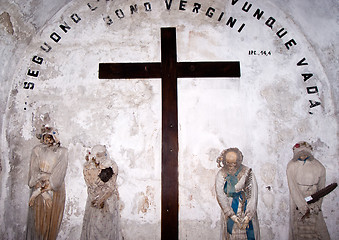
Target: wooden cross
x,y
169,70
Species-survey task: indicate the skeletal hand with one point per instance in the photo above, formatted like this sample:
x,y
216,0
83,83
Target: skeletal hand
x,y
236,220
34,196
306,215
245,222
47,199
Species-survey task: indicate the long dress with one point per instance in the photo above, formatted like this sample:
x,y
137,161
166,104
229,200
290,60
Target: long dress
x,y
101,221
245,197
304,179
47,163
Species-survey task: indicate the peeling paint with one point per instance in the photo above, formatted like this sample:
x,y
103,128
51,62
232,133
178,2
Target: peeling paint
x,y
5,21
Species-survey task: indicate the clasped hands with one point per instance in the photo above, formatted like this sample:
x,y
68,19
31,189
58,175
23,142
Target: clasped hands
x,y
313,209
41,188
99,199
241,222
98,202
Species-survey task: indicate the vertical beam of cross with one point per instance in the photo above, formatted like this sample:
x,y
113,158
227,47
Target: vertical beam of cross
x,y
169,70
169,167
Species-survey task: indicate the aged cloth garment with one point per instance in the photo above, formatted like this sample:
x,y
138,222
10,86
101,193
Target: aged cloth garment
x,y
48,164
238,198
305,177
101,219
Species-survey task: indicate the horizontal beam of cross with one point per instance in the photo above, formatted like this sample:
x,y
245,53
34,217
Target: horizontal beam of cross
x,y
184,70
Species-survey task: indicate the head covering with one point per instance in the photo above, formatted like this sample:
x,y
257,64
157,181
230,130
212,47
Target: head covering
x,y
302,148
221,160
100,156
47,130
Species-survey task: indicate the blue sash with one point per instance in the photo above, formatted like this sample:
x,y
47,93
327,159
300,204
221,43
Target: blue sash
x,y
299,159
229,189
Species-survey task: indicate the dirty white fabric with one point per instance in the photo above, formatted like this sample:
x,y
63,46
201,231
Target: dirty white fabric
x,y
101,219
48,166
304,179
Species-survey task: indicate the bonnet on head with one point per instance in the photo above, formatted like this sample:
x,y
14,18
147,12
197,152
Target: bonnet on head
x,y
46,129
104,161
302,148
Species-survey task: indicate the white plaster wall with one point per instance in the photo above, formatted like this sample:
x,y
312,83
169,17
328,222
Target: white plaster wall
x,y
19,22
263,113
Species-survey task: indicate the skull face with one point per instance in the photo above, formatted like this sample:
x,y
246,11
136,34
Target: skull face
x,y
48,140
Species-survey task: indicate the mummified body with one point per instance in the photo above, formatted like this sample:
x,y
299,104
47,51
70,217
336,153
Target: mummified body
x,y
101,219
305,175
46,179
237,195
